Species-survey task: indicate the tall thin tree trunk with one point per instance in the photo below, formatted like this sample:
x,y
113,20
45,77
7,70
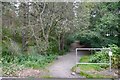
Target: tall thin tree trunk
x,y
62,42
25,24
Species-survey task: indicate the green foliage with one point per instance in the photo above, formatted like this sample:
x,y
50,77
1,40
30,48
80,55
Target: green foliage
x,y
87,75
10,66
84,59
62,52
13,63
106,21
89,70
53,48
32,60
90,67
6,32
10,47
99,57
13,58
115,49
10,34
115,61
116,55
103,57
47,77
43,34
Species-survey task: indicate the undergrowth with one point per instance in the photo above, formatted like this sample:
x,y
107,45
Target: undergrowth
x,y
11,64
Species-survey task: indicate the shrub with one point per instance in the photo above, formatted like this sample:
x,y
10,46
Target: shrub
x,y
99,57
12,63
102,56
53,47
115,49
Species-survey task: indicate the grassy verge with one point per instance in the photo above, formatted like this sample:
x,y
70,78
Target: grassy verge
x,y
89,70
93,75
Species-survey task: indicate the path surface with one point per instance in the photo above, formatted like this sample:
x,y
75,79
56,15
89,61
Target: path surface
x,y
61,68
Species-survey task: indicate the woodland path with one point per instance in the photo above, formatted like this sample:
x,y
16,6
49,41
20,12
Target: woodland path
x,y
61,68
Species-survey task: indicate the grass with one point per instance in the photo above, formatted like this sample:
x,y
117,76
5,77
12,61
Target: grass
x,y
47,77
87,69
84,59
90,67
93,75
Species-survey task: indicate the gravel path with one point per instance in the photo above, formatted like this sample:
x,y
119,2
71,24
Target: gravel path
x,y
61,68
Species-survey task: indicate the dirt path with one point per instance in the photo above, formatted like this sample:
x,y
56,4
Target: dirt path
x,y
61,68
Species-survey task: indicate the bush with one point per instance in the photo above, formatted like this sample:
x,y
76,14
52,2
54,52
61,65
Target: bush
x,y
53,48
12,63
99,57
102,56
116,55
116,61
115,49
31,59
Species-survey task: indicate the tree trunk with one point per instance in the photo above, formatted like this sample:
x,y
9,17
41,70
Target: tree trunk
x,y
62,42
25,24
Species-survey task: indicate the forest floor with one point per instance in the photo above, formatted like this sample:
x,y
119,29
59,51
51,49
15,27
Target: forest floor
x,y
61,68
